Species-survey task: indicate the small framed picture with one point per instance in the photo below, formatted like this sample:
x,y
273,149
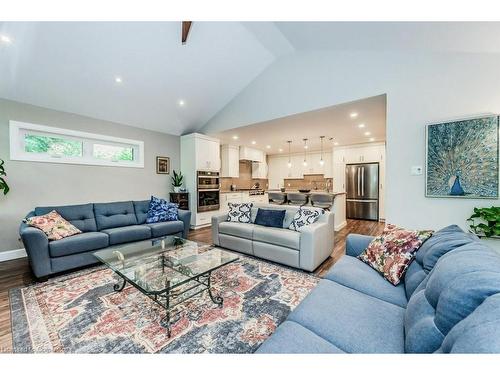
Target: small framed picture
x,y
162,165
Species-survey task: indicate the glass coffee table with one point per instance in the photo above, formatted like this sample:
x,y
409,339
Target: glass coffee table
x,y
169,270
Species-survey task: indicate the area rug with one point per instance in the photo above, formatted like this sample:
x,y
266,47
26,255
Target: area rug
x,y
80,313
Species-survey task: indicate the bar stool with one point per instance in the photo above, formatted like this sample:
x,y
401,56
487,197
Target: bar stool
x,y
277,197
322,200
297,199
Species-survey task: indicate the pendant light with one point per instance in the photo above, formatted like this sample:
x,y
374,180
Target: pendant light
x,y
305,152
289,154
321,161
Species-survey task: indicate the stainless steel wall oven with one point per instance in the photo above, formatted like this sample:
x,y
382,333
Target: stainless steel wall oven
x,y
208,185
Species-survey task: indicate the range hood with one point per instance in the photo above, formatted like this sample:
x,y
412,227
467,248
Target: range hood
x,y
252,154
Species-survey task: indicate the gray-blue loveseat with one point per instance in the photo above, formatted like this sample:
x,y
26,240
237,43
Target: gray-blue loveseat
x,y
102,224
449,302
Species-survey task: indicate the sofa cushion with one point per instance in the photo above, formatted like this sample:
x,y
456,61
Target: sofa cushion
x,y
353,273
128,234
166,228
458,284
239,212
392,252
305,216
270,218
277,236
441,242
141,211
53,225
160,211
80,215
241,230
114,215
290,338
78,243
352,321
289,214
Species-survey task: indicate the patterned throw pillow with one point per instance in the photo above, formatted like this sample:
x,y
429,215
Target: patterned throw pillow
x,y
239,212
392,252
160,210
53,225
305,216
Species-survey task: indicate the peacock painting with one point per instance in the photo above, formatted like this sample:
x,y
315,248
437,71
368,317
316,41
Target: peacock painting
x,y
462,158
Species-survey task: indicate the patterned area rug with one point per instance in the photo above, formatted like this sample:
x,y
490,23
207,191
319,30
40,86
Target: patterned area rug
x,y
80,313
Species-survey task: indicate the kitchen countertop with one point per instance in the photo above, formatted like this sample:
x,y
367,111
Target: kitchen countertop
x,y
311,192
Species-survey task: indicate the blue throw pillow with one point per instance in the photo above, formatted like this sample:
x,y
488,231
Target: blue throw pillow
x,y
160,210
270,218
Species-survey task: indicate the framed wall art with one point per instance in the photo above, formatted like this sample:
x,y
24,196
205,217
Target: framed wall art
x,y
462,158
162,165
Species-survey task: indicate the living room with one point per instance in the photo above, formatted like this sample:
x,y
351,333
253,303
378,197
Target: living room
x,y
303,186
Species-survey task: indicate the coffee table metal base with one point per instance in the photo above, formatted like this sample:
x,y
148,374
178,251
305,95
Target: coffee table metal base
x,y
173,297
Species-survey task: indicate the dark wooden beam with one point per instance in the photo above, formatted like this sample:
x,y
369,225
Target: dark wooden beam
x,y
186,25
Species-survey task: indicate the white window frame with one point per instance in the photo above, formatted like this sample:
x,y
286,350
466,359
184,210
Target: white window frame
x,y
18,129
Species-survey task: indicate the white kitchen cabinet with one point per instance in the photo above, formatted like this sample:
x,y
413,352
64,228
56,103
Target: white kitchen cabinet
x,y
364,154
230,161
252,154
259,170
207,154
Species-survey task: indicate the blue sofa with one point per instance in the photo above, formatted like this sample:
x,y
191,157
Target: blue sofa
x,y
102,224
449,302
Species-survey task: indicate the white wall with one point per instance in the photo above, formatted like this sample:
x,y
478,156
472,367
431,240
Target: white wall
x,y
40,184
420,88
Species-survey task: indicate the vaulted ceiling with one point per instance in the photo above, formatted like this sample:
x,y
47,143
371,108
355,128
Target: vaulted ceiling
x,y
175,88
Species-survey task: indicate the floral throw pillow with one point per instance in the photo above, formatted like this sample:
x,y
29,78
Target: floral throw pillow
x,y
240,212
305,216
160,210
53,225
393,251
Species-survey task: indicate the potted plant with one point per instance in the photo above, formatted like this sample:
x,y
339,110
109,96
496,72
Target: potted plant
x,y
177,180
3,183
488,221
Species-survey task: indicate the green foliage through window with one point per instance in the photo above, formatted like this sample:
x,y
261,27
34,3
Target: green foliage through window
x,y
52,145
114,153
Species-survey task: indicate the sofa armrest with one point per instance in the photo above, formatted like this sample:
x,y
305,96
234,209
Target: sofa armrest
x,y
356,244
216,220
185,217
316,244
36,244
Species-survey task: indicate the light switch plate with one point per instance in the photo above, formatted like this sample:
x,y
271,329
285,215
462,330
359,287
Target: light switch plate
x,y
416,170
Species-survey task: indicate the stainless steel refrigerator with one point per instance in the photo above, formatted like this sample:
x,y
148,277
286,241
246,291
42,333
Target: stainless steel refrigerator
x,y
362,191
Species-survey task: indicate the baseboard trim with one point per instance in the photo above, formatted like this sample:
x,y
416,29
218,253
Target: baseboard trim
x,y
12,254
340,226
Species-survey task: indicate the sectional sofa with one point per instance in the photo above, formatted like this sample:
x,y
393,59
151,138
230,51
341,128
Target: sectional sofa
x,y
102,224
449,302
305,249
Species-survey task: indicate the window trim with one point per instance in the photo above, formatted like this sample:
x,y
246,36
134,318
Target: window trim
x,y
17,130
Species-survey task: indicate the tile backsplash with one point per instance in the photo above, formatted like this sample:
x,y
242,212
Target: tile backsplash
x,y
245,180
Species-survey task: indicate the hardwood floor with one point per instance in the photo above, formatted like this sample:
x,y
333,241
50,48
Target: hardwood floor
x,y
17,273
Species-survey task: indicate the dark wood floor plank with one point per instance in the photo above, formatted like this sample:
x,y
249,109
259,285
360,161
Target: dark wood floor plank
x,y
16,273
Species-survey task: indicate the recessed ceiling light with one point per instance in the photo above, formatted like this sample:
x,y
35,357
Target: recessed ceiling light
x,y
181,103
118,79
235,137
268,147
361,125
354,115
336,144
5,39
367,133
280,150
254,143
371,139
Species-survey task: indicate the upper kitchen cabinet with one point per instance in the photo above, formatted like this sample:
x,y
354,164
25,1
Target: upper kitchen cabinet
x,y
252,154
259,170
365,154
203,149
230,161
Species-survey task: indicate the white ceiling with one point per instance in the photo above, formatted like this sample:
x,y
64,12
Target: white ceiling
x,y
71,66
476,37
332,122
